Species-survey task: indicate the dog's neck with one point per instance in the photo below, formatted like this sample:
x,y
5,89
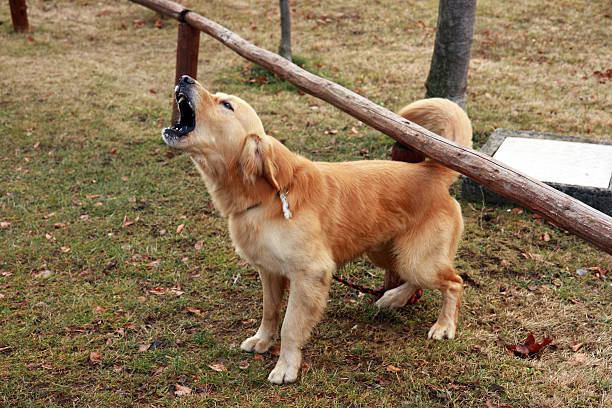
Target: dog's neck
x,y
231,194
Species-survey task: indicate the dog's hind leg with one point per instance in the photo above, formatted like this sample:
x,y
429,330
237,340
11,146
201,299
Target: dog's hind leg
x,y
397,297
307,300
451,287
273,289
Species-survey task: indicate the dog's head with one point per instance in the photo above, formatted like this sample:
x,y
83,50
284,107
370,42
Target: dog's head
x,y
223,132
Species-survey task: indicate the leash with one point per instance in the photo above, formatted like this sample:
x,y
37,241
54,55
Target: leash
x,y
376,292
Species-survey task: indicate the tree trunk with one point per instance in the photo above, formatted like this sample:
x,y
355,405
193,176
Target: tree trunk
x,y
285,46
451,57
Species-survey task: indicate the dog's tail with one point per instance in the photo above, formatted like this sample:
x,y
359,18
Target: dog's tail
x,y
444,118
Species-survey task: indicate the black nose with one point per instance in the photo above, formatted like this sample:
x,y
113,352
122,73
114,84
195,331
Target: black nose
x,y
186,80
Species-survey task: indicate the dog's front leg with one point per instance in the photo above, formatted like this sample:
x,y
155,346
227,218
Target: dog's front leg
x,y
273,289
307,300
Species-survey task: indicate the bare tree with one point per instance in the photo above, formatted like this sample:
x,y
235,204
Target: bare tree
x,y
451,57
285,46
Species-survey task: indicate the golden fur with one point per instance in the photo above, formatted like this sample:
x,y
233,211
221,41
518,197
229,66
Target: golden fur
x,y
400,214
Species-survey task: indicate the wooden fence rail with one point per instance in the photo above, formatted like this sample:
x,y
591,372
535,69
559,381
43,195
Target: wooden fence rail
x,y
563,210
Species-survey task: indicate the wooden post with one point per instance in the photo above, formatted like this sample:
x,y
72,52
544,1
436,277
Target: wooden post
x,y
187,47
19,15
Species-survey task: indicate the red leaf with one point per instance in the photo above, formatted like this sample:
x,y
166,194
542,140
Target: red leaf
x,y
530,347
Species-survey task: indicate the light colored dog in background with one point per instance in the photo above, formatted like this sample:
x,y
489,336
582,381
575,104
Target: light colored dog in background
x,y
296,220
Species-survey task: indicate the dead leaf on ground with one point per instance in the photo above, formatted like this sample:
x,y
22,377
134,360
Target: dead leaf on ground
x,y
193,310
44,274
95,357
218,367
144,347
127,222
393,369
275,351
579,359
199,245
99,309
530,347
180,228
244,365
576,346
181,390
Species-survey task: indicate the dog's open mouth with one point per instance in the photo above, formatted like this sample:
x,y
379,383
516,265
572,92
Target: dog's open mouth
x,y
186,123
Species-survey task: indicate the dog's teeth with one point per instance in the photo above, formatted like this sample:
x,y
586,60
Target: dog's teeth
x,y
181,99
175,89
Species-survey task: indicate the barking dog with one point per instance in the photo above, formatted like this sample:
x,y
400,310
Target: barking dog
x,y
296,220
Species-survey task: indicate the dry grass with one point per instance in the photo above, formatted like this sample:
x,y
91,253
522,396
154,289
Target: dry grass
x,y
83,99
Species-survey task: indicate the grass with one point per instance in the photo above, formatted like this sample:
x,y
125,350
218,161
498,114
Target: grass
x,y
91,201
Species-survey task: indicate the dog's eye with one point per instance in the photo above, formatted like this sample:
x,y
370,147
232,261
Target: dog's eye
x,y
227,105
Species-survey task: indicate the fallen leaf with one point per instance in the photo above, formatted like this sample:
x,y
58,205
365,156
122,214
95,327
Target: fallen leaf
x,y
59,225
180,228
275,351
530,347
95,357
576,346
244,365
199,245
159,370
218,367
158,291
99,309
65,249
127,222
44,274
532,287
181,390
579,359
393,369
47,216
305,366
193,310
5,224
144,347
176,292
517,210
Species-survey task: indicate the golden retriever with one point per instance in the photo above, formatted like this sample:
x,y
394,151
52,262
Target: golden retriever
x,y
297,221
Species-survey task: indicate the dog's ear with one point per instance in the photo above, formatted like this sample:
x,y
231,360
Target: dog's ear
x,y
266,157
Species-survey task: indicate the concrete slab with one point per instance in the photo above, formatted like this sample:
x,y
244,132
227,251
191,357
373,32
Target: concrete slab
x,y
579,167
558,161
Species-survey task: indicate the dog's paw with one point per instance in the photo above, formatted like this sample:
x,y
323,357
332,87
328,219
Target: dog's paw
x,y
284,373
256,344
440,331
392,299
